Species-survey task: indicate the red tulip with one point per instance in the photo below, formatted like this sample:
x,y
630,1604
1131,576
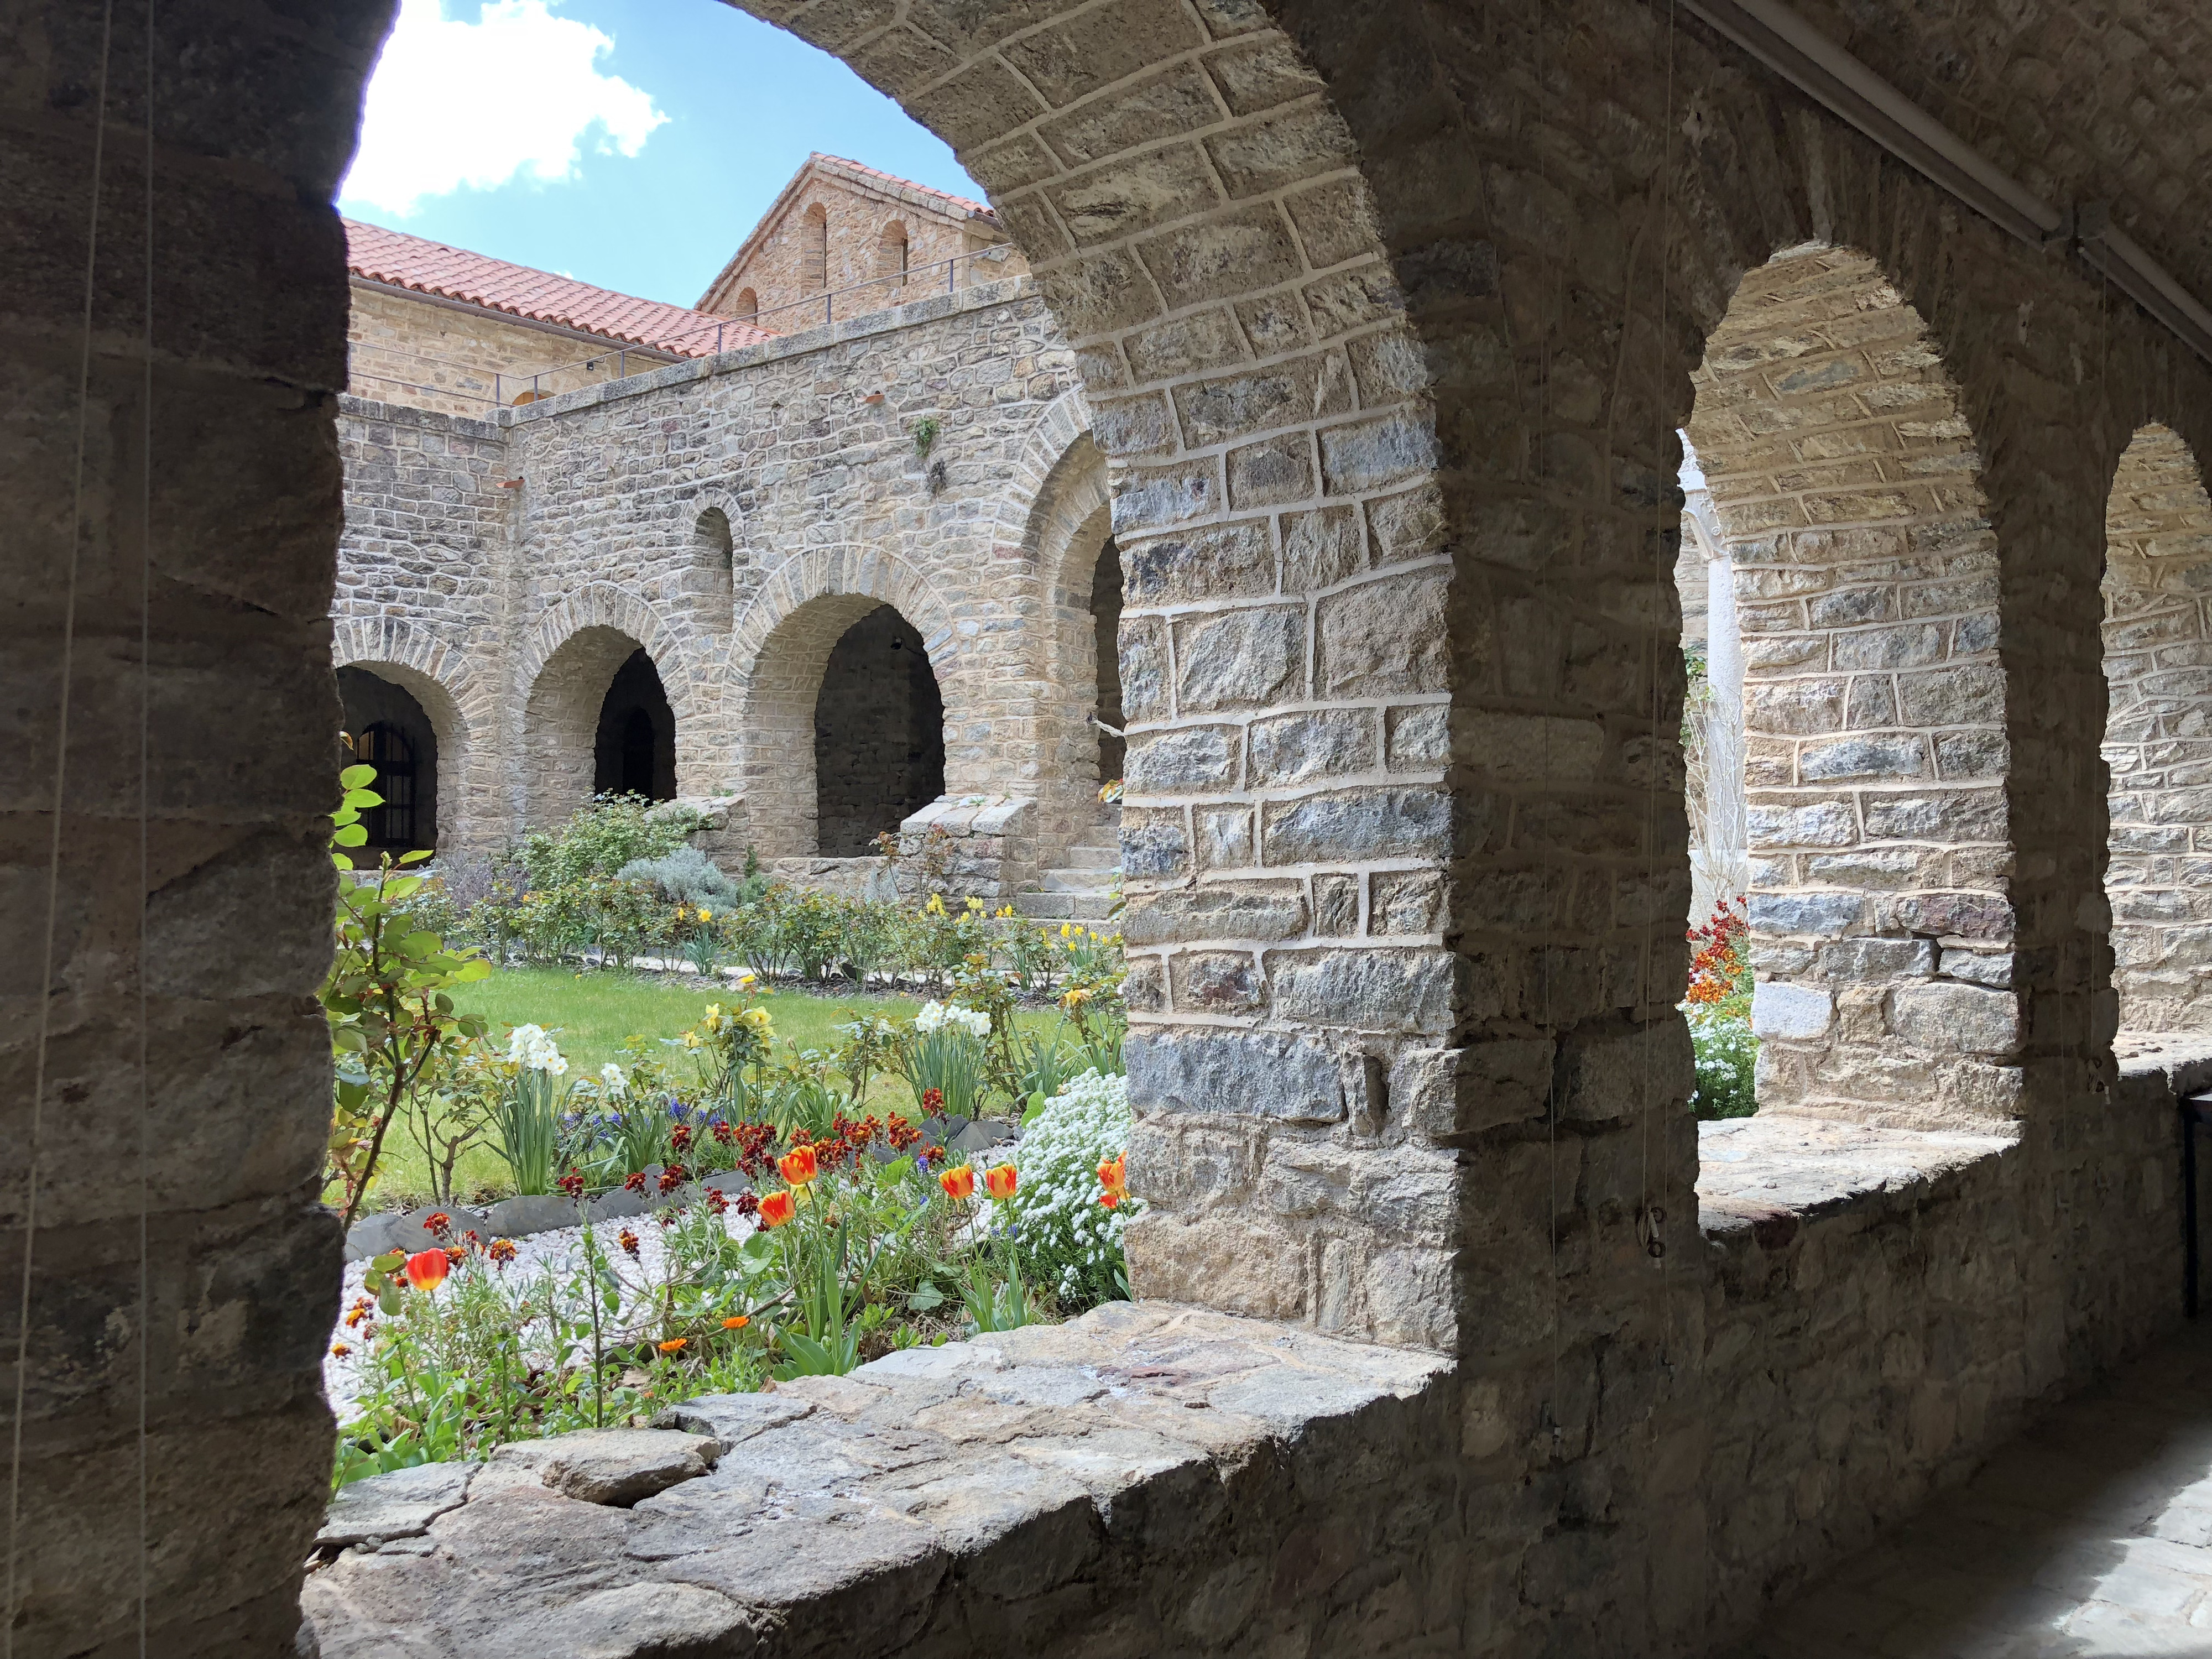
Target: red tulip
x,y
958,1182
797,1166
428,1270
775,1209
1000,1180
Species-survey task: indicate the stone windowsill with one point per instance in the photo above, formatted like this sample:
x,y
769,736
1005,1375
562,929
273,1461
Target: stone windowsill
x,y
940,1494
1765,1177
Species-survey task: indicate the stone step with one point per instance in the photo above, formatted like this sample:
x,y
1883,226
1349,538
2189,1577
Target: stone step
x,y
1094,857
1063,906
1078,881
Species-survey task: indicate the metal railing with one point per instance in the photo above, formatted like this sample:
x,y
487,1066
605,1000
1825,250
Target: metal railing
x,y
917,278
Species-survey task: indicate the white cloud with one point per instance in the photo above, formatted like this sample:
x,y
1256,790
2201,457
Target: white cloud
x,y
516,94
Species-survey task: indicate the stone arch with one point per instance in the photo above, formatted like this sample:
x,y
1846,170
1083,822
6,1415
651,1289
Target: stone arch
x,y
1847,486
463,711
746,307
892,251
711,562
1070,524
782,645
570,659
2158,733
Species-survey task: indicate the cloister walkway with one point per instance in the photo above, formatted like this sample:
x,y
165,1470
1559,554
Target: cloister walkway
x,y
2088,1537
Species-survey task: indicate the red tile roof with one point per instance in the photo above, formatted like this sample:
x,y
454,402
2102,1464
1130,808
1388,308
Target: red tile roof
x,y
964,204
421,266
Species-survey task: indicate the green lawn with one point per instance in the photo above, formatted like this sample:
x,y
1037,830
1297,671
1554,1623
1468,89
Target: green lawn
x,y
592,1014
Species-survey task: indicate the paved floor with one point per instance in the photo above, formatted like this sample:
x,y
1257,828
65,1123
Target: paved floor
x,y
2090,1537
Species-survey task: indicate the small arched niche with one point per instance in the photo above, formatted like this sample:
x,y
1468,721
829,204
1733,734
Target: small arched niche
x,y
2158,733
387,728
814,248
879,734
746,307
891,254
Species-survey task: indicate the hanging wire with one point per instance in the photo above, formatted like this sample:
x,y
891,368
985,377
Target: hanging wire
x,y
145,853
54,849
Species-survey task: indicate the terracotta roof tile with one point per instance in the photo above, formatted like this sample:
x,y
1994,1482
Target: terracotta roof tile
x,y
394,256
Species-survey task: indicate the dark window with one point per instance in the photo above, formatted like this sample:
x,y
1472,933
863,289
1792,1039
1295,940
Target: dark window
x,y
391,826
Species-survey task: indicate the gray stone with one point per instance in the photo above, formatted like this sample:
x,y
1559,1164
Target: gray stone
x,y
1862,758
1864,960
1180,761
516,1217
1823,914
1418,738
620,1205
730,1420
1990,968
1942,1017
1239,660
1260,1075
1240,912
613,1467
1369,989
1294,747
1792,1013
1356,825
400,1505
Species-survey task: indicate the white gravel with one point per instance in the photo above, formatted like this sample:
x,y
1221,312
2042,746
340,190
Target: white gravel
x,y
562,1249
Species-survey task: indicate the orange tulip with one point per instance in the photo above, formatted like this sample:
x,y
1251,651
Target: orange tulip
x,y
775,1209
797,1166
958,1182
736,1322
427,1271
999,1181
1114,1177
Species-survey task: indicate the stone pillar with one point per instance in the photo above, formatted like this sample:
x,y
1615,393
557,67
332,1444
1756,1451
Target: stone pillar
x,y
161,1175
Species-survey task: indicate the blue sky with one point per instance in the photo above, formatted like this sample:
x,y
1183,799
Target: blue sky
x,y
631,143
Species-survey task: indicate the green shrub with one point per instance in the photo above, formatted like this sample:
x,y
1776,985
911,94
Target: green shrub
x,y
1727,1055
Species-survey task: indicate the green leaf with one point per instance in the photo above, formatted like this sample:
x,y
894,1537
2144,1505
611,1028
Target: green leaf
x,y
390,1262
349,834
417,856
354,776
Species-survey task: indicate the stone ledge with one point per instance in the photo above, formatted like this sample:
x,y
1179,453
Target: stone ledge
x,y
1764,1177
1004,1494
2181,1061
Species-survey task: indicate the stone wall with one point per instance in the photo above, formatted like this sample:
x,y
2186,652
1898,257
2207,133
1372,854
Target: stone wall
x,y
695,513
830,229
2158,738
408,350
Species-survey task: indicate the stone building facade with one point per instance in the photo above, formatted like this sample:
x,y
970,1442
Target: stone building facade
x,y
762,525
842,238
1387,316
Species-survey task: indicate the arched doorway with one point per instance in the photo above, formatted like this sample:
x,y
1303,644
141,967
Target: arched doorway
x,y
634,750
387,728
879,734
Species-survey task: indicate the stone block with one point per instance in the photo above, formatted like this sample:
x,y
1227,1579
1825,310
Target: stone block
x,y
1818,823
1990,968
1239,660
1943,1017
1225,838
1292,748
1353,826
1320,548
1247,910
611,1466
1200,562
1406,901
1417,738
1965,915
1862,758
1182,761
1154,845
1383,638
1256,1074
1372,990
516,1217
1792,1013
1877,960
1219,982
1608,1074
1828,916
1336,906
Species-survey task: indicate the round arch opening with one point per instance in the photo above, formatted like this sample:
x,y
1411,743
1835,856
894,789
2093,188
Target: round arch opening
x,y
387,728
879,734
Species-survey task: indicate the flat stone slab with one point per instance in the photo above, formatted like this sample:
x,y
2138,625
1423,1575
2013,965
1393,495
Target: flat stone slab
x,y
1763,1175
613,1467
850,1514
400,1505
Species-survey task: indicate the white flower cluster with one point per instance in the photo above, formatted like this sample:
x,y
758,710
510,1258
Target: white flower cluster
x,y
934,1016
611,1079
532,1050
1067,1237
